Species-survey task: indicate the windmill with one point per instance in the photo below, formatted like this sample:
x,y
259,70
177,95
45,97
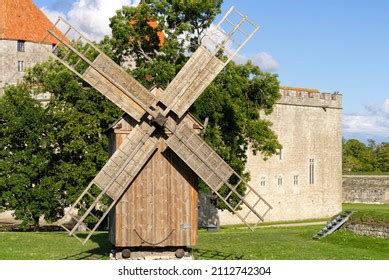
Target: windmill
x,y
159,120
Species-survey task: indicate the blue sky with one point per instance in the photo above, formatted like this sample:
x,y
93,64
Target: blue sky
x,y
332,45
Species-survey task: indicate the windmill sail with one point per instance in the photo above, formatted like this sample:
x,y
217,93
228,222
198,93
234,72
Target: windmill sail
x,y
200,70
230,35
117,174
84,59
215,172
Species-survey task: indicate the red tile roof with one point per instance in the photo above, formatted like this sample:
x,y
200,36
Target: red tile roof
x,y
22,20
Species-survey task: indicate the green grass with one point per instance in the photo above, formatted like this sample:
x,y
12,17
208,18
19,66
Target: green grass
x,y
51,246
366,173
369,214
293,243
291,222
264,243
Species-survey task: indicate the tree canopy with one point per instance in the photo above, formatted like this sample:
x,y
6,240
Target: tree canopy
x,y
360,157
25,153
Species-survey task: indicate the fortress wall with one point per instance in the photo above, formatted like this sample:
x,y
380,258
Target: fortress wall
x,y
308,125
365,189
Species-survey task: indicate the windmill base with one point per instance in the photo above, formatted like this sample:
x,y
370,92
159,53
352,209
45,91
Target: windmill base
x,y
152,254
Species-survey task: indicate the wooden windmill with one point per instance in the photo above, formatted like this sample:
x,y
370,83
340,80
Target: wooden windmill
x,y
161,128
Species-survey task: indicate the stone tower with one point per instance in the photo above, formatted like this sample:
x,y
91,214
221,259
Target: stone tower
x,y
23,28
305,180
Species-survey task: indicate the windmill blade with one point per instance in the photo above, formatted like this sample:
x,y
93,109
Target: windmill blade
x,y
215,172
196,75
116,176
230,35
83,58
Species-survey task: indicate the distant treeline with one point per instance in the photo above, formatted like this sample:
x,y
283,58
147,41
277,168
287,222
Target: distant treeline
x,y
370,157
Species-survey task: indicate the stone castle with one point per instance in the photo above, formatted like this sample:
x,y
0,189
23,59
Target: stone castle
x,y
303,181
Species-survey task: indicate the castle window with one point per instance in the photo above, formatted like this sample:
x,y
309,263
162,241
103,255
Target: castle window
x,y
20,66
263,181
295,180
280,155
311,171
279,181
20,46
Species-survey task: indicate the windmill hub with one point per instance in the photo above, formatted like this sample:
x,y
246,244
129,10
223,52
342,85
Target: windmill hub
x,y
159,120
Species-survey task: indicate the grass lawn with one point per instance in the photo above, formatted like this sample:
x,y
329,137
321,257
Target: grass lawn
x,y
292,243
264,243
51,246
228,243
370,214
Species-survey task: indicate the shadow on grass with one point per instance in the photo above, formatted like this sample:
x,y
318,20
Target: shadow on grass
x,y
212,254
101,252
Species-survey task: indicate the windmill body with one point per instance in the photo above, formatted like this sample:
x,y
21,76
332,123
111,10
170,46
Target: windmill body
x,y
161,126
160,208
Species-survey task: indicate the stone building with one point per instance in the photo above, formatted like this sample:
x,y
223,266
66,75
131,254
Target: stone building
x,y
305,180
23,40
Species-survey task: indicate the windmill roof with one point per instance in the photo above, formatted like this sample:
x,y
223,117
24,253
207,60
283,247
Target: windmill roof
x,y
23,20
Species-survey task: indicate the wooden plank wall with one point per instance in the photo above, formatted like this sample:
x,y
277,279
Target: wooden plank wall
x,y
160,207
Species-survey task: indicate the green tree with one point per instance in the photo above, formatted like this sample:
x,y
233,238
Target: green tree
x,y
25,150
382,152
52,153
183,24
79,117
357,157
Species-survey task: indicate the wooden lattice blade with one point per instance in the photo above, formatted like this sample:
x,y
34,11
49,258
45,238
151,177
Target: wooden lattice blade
x,y
110,91
83,58
126,162
215,172
108,67
118,173
229,36
196,75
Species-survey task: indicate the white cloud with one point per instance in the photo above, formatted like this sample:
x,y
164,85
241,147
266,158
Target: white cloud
x,y
386,106
91,17
262,59
374,122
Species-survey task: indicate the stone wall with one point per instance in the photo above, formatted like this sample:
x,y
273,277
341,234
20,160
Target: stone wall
x,y
366,189
369,230
9,57
308,125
